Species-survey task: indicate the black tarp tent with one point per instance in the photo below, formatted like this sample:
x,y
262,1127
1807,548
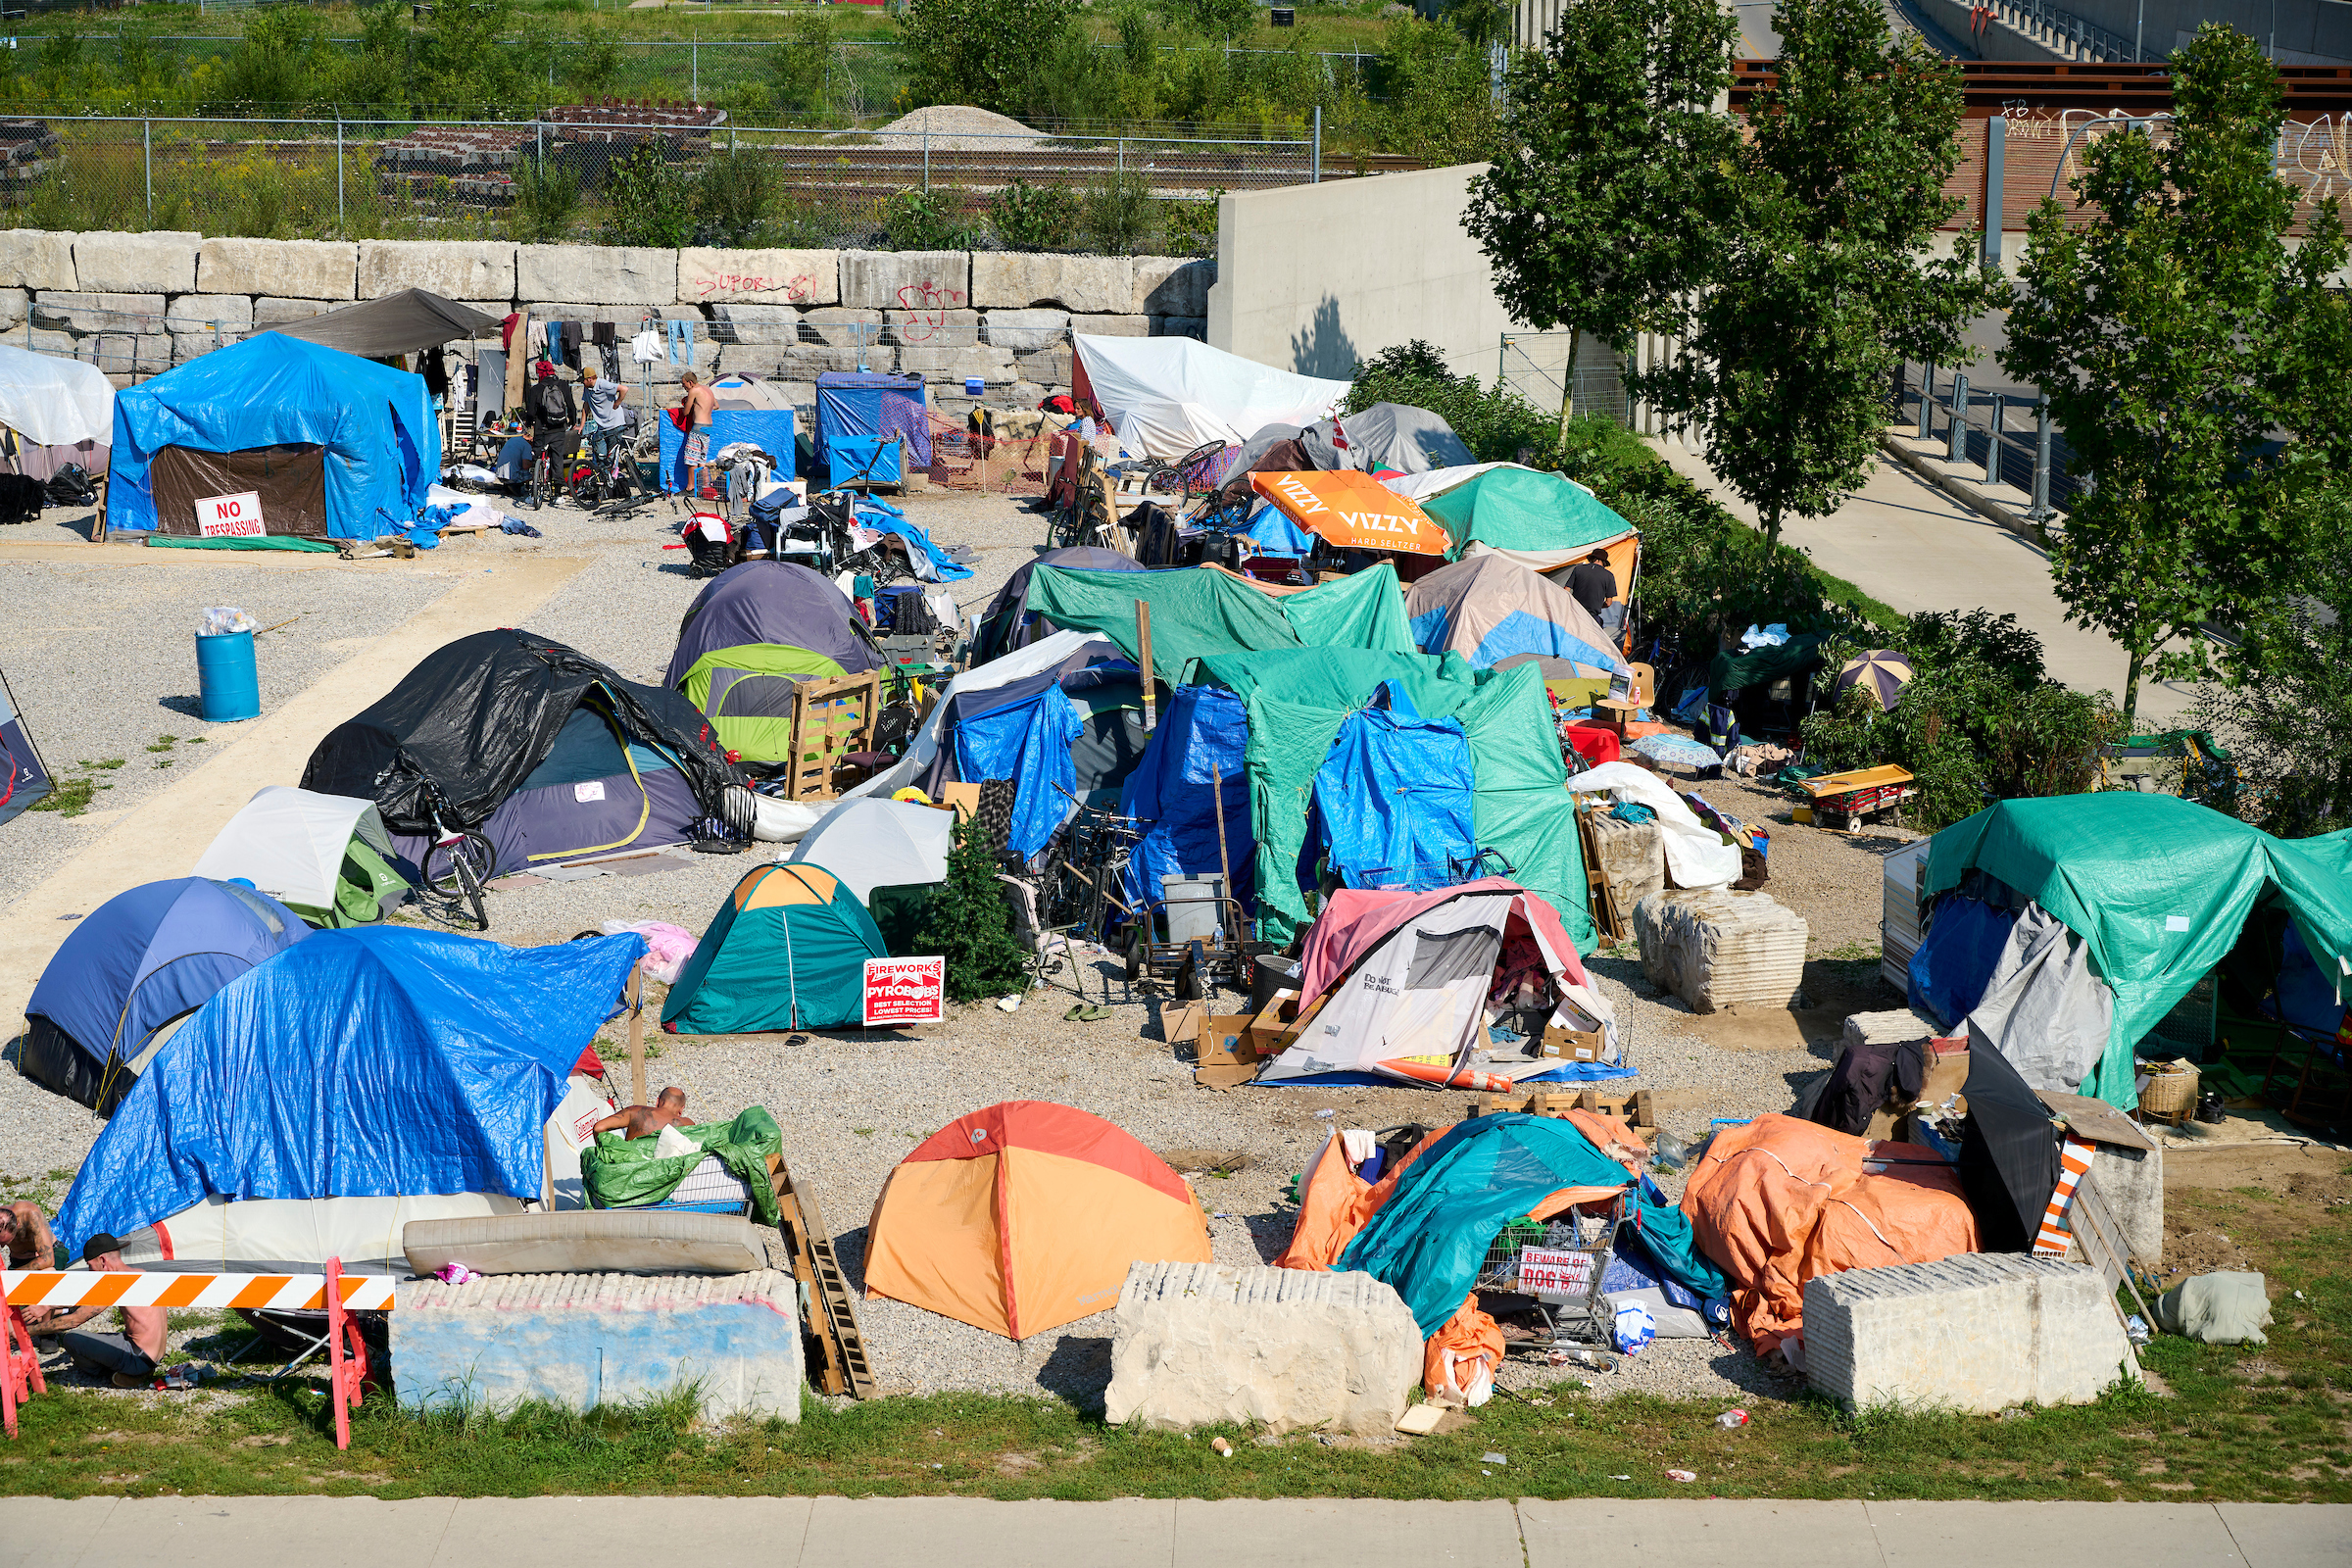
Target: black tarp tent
x,y
405,322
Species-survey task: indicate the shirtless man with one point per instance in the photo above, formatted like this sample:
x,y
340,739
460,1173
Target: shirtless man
x,y
30,1242
668,1110
129,1358
698,401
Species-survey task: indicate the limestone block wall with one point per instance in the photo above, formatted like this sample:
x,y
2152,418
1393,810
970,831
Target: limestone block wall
x,y
139,304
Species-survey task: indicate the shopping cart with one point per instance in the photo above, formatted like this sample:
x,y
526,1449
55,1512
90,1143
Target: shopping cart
x,y
1549,1275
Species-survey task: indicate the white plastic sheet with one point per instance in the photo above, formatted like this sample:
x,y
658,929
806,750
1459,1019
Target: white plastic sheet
x,y
1696,852
55,402
1167,395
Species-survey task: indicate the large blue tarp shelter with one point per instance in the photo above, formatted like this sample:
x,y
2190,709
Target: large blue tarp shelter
x,y
1392,798
373,427
1028,740
851,404
1198,751
771,431
371,1063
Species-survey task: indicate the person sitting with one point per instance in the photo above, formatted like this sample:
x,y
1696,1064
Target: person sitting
x,y
128,1358
668,1110
29,1241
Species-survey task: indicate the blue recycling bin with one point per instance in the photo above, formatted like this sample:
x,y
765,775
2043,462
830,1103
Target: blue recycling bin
x,y
227,683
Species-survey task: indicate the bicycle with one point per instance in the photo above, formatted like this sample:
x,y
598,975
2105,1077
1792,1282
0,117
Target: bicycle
x,y
611,477
469,860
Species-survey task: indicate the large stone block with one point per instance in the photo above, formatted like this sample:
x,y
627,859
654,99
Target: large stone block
x,y
777,277
454,270
1094,285
806,362
842,325
1110,325
82,313
938,328
191,312
762,358
585,1340
1192,327
163,261
590,275
755,323
907,280
314,268
36,257
1046,367
1977,1332
16,304
272,312
1718,949
1172,285
1631,856
186,346
1025,331
957,361
1197,1344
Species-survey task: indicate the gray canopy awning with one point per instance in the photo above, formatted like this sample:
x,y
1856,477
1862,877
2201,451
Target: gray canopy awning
x,y
399,323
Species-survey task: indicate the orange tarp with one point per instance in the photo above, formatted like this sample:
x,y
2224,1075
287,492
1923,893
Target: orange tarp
x,y
1024,1216
1780,1201
1354,510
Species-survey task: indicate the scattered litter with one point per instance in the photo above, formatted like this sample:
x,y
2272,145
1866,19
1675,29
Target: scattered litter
x,y
1621,1478
222,619
1322,1113
1493,1458
1421,1419
2136,1328
1011,1003
1732,1418
1486,1472
1222,1447
454,1274
1635,1327
1682,1475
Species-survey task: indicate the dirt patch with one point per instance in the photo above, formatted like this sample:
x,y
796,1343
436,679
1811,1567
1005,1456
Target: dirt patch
x,y
2285,1191
2322,1176
1834,991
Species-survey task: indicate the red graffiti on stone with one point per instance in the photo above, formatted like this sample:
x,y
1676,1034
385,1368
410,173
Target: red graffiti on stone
x,y
797,290
927,305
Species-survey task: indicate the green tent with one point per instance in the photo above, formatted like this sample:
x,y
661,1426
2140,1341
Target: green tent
x,y
1298,698
751,715
1521,512
1198,612
2158,890
788,950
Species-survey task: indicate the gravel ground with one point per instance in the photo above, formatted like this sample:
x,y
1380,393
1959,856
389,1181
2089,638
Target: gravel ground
x,y
852,1105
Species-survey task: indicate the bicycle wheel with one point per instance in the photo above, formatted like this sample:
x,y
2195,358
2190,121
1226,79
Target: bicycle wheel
x,y
464,864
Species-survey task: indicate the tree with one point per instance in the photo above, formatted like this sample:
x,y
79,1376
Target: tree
x,y
966,923
2290,731
1822,284
2177,336
1439,102
993,54
1595,211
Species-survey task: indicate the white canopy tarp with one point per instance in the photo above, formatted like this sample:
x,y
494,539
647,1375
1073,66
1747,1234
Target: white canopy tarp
x,y
870,844
55,402
1167,395
290,843
923,750
1437,481
1696,852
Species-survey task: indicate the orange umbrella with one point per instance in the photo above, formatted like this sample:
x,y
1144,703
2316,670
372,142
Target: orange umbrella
x,y
1354,510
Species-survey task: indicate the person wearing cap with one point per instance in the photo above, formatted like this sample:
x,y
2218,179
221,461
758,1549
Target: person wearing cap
x,y
129,1358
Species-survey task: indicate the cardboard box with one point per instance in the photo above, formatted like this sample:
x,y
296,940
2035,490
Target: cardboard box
x,y
1265,1031
964,798
1573,1045
1221,1054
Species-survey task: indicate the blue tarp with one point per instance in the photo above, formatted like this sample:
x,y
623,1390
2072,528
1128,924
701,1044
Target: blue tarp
x,y
1517,633
1273,532
382,443
371,1063
1430,1237
1392,798
1955,960
1204,735
931,563
850,403
1030,744
145,956
771,431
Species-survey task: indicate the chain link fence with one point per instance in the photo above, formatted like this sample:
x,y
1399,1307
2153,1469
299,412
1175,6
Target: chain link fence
x,y
1535,365
635,173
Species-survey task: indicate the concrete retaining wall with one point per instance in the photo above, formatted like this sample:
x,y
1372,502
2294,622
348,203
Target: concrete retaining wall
x,y
139,304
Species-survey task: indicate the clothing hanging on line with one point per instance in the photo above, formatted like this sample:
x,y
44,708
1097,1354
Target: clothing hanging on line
x,y
646,346
681,343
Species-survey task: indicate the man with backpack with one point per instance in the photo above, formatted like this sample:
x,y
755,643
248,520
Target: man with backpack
x,y
554,426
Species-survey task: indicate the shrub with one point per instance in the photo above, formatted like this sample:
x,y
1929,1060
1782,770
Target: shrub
x,y
1190,227
1035,217
1118,211
798,67
920,220
647,201
734,195
545,197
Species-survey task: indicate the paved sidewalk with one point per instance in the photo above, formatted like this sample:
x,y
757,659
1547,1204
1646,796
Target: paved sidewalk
x,y
1903,541
925,1532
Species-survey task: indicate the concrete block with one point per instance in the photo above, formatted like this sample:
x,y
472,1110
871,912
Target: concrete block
x,y
591,275
98,313
907,280
189,311
269,311
958,363
454,270
1633,859
841,326
2131,1183
1027,394
1112,326
165,260
1977,1332
36,257
778,277
940,329
755,323
807,361
1196,1344
1026,331
16,304
1046,367
1172,285
1096,284
1890,1028
1192,327
584,1340
1717,949
762,358
65,345
186,346
314,269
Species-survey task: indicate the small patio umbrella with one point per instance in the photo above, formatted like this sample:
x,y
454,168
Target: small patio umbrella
x,y
1886,671
1677,749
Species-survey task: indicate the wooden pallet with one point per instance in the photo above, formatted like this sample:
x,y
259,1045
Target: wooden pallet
x,y
830,718
833,1317
1633,1109
1610,922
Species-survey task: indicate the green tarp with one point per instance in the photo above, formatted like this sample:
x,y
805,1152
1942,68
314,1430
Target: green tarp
x,y
1730,672
1196,612
1299,698
625,1173
1518,509
252,541
2158,890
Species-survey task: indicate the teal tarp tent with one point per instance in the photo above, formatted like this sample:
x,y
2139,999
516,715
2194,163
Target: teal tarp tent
x,y
788,950
1199,610
2158,890
1520,512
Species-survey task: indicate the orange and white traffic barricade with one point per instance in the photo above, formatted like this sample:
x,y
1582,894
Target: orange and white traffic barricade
x,y
339,1293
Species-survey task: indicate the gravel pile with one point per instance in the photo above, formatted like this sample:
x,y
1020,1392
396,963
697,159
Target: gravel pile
x,y
959,128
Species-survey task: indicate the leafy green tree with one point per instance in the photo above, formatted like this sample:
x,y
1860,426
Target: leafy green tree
x,y
989,53
546,198
1034,217
1217,19
2177,335
965,922
1439,102
735,194
591,66
1598,211
799,67
2288,731
648,200
285,60
1822,284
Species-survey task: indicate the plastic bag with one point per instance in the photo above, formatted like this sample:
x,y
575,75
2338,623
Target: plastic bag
x,y
222,619
1635,1327
667,947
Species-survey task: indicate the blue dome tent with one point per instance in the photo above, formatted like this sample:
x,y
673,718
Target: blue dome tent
x,y
335,446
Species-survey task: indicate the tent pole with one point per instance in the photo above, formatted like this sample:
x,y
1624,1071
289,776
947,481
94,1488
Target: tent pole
x,y
637,1036
1142,640
1224,864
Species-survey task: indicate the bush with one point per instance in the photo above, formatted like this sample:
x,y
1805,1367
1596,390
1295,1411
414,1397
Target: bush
x,y
545,199
920,220
1190,227
1035,217
647,201
1119,208
734,195
996,53
799,66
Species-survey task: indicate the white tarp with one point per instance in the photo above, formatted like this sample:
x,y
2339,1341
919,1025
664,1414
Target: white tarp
x,y
1167,395
1696,852
871,844
303,1232
1437,481
289,843
55,402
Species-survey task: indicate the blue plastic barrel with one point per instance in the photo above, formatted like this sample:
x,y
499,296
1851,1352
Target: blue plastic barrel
x,y
226,681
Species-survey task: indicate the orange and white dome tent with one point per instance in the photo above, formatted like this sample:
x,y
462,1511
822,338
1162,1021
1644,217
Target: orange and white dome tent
x,y
1025,1216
